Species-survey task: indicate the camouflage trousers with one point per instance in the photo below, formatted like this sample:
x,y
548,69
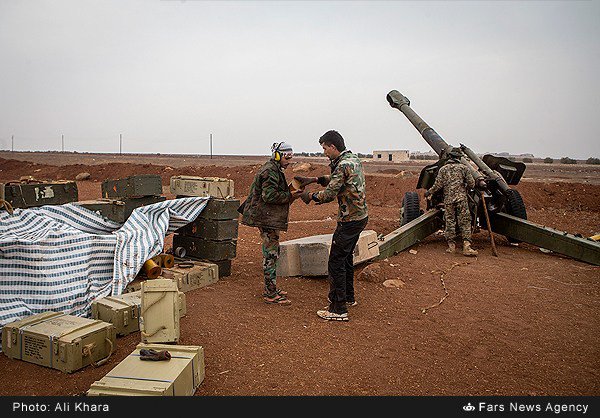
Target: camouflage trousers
x,y
457,215
270,251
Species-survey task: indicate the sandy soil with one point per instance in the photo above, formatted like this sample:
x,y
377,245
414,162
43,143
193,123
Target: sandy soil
x,y
523,323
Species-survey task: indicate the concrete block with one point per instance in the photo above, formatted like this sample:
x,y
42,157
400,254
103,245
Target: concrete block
x,y
308,256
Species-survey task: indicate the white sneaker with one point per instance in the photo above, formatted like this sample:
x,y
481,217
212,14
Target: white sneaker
x,y
331,316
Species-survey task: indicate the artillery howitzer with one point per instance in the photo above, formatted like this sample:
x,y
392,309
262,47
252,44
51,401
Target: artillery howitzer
x,y
492,194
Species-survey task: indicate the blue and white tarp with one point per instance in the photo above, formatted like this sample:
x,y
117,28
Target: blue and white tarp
x,y
61,258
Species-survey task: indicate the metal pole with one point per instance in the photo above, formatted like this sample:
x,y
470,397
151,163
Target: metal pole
x,y
120,144
13,142
63,142
211,146
489,227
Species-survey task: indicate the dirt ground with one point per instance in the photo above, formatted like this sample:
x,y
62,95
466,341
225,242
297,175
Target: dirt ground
x,y
523,323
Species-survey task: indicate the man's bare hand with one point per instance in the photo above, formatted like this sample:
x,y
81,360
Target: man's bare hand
x,y
296,194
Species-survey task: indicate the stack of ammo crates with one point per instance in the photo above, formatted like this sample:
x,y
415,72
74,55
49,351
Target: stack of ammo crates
x,y
212,236
29,193
121,196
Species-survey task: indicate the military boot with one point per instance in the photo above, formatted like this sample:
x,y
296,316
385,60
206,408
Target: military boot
x,y
467,250
451,247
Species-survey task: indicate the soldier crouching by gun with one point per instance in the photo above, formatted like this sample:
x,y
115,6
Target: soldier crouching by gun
x,y
347,182
455,179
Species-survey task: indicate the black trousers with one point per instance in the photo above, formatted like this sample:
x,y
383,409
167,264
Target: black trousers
x,y
340,265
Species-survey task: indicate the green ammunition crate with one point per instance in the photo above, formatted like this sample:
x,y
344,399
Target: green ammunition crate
x,y
28,195
133,186
180,376
219,209
119,210
191,275
64,342
205,249
218,230
224,267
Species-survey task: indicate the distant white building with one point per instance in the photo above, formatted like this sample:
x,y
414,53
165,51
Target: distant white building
x,y
391,155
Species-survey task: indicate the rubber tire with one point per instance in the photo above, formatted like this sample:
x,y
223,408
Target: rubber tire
x,y
411,209
515,207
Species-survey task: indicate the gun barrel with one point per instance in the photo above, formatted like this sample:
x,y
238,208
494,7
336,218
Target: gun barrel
x,y
399,101
485,168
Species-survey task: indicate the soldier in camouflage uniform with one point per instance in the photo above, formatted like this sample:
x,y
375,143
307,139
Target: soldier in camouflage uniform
x,y
267,208
455,179
347,183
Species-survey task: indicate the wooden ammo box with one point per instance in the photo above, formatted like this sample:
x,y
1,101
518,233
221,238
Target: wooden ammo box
x,y
220,209
27,195
201,186
224,267
206,249
179,376
159,320
64,342
133,186
119,210
123,311
191,275
218,230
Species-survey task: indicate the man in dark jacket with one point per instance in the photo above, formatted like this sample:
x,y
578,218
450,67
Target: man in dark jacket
x,y
267,208
347,183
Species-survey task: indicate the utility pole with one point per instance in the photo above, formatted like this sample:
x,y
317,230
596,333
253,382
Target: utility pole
x,y
211,146
13,142
120,144
62,137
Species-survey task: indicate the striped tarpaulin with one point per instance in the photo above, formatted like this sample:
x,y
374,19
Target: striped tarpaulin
x,y
61,258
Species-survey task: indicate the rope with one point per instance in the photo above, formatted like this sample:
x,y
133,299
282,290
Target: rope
x,y
150,334
6,205
104,360
146,307
446,294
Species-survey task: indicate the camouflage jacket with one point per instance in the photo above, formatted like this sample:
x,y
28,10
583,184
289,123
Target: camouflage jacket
x,y
347,182
269,199
455,179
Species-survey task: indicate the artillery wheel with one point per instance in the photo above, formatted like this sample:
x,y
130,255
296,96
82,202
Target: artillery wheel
x,y
515,207
515,204
411,209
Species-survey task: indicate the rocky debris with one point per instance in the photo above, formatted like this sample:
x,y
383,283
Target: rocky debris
x,y
83,176
393,283
371,273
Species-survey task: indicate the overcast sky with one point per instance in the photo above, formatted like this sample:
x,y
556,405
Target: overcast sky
x,y
514,76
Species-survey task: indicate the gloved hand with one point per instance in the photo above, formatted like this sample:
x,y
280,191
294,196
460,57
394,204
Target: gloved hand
x,y
427,193
152,354
305,181
306,196
323,180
